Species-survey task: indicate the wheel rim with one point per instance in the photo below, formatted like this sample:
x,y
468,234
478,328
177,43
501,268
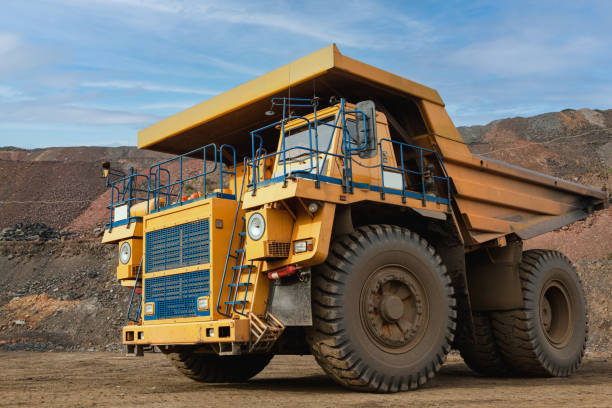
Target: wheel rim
x,y
556,317
394,309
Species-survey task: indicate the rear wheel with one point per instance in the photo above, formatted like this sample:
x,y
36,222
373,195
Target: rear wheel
x,y
482,354
214,368
548,336
383,310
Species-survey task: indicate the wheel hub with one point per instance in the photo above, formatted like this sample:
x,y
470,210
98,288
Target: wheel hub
x,y
546,314
391,308
394,308
556,313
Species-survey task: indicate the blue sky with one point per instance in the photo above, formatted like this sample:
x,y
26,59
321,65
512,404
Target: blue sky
x,y
94,72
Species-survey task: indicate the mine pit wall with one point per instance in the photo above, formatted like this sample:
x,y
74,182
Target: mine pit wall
x,y
60,296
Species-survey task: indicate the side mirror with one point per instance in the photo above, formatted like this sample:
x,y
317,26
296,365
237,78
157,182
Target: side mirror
x,y
366,132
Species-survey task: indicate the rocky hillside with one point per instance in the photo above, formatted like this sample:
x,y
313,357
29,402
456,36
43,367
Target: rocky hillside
x,y
572,144
56,185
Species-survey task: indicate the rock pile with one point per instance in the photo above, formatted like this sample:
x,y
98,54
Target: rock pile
x,y
31,231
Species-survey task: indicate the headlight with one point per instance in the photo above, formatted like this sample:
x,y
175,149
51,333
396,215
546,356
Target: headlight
x,y
313,207
256,226
203,303
149,309
302,246
125,252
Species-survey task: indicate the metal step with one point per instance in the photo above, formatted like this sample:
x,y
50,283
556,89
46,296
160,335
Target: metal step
x,y
241,284
265,330
236,268
236,302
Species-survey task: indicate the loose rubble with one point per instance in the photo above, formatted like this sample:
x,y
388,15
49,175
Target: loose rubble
x,y
31,231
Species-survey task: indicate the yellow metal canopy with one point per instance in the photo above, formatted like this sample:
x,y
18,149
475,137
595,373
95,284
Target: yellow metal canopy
x,y
230,116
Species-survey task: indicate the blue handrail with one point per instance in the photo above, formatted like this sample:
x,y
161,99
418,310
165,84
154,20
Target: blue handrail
x,y
313,153
348,149
209,153
404,171
126,189
231,241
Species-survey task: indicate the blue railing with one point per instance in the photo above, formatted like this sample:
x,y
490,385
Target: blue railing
x,y
426,187
126,191
427,183
312,150
161,184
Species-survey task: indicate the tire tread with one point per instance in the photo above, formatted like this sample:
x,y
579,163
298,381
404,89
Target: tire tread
x,y
329,343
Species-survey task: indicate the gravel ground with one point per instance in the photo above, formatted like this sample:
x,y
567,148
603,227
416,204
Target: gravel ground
x,y
111,380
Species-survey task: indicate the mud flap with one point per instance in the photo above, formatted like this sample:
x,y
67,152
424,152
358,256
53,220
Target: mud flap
x,y
493,277
289,300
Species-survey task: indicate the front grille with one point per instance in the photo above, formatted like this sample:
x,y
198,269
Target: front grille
x,y
278,249
177,295
179,246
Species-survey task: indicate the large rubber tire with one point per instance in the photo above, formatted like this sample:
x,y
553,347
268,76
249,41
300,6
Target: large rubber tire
x,y
382,260
483,355
213,368
547,337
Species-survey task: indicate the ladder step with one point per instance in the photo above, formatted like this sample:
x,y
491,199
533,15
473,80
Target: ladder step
x,y
242,234
241,284
239,251
233,256
236,302
236,268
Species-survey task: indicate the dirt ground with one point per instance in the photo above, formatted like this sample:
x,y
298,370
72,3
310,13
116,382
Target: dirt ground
x,y
111,379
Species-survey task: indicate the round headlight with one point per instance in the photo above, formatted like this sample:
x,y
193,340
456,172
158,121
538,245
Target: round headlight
x,y
256,226
125,252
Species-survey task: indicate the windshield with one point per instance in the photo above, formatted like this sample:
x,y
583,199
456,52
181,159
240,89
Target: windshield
x,y
299,137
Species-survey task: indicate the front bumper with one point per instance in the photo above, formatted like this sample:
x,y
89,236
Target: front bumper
x,y
219,331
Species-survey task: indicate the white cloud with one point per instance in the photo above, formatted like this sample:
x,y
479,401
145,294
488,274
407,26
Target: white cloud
x,y
167,105
167,6
325,21
518,55
9,93
51,113
145,86
230,66
17,56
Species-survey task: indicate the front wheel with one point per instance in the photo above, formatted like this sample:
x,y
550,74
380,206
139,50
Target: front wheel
x,y
383,310
213,368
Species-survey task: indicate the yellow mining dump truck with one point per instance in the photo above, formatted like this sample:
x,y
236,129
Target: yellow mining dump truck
x,y
346,218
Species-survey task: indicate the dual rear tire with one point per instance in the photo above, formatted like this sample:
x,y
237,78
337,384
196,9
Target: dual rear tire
x,y
547,336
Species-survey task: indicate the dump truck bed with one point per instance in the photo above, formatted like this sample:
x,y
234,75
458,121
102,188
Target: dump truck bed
x,y
491,199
